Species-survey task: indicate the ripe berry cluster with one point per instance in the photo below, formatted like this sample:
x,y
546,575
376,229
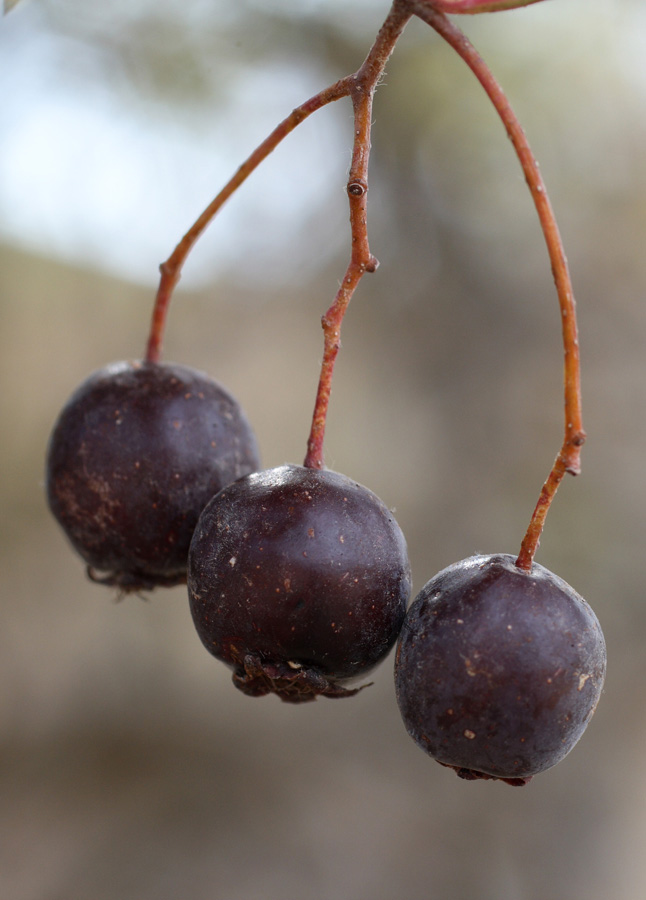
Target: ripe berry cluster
x,y
298,577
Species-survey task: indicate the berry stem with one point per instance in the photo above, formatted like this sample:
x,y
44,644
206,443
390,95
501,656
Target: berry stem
x,y
362,89
171,268
569,457
532,537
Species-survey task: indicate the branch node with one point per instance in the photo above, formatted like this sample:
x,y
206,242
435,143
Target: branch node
x,y
357,188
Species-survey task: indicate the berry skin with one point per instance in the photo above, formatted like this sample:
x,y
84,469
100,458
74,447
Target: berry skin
x,y
298,578
498,670
136,454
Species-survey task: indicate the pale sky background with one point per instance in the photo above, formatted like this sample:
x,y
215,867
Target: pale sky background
x,y
86,178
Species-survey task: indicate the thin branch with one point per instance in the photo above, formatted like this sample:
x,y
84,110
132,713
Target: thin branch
x,y
360,87
569,457
364,83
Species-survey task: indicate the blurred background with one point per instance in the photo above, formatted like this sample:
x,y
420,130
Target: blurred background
x,y
129,765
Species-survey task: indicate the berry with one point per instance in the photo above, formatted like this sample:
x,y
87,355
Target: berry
x,y
136,454
298,578
498,670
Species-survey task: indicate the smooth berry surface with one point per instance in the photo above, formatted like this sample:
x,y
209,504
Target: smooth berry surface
x,y
136,454
298,579
498,670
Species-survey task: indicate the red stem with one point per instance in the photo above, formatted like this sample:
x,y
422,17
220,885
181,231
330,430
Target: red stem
x,y
363,85
361,88
569,457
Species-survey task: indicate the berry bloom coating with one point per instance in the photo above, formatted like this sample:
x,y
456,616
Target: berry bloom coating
x,y
136,454
498,670
298,578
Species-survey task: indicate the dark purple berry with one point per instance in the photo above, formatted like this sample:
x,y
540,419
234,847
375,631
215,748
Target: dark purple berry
x,y
298,579
136,454
498,670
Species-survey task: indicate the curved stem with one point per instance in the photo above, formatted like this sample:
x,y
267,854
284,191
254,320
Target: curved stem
x,y
569,457
171,268
360,87
364,83
361,261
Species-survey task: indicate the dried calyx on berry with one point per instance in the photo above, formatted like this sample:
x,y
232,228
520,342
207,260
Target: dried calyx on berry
x,y
298,579
135,455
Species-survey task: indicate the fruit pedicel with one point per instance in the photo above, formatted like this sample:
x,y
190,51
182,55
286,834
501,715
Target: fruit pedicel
x,y
298,577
